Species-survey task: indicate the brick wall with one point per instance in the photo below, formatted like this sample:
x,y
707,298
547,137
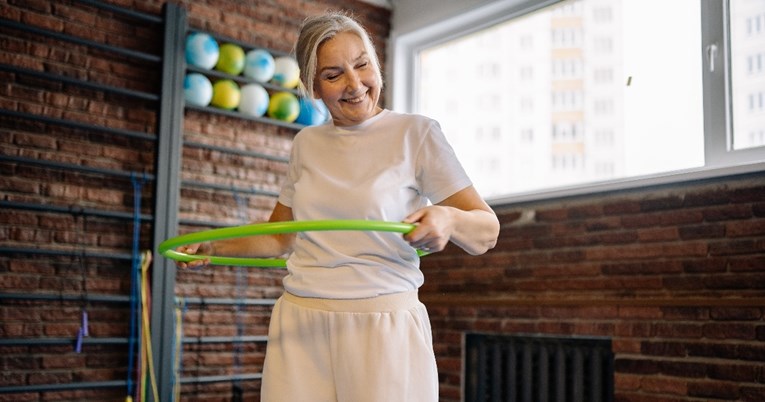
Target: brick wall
x,y
62,224
673,275
51,208
69,210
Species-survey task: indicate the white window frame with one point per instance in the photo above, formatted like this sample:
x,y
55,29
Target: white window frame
x,y
720,159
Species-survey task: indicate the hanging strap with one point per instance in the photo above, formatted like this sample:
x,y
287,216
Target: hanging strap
x,y
135,283
79,215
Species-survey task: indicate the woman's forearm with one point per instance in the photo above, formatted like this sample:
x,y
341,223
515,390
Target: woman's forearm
x,y
260,246
475,231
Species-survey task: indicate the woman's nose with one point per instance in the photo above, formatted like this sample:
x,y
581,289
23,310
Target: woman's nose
x,y
353,80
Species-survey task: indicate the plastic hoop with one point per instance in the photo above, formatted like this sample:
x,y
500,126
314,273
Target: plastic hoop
x,y
167,247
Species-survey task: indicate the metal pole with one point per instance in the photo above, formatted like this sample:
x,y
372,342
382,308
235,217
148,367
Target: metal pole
x,y
167,193
77,125
123,11
79,41
15,389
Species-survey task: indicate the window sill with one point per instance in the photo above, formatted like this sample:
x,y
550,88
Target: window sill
x,y
628,184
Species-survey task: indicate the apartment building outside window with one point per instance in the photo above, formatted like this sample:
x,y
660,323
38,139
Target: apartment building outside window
x,y
605,98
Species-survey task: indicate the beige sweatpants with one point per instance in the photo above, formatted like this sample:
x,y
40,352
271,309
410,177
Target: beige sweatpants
x,y
360,350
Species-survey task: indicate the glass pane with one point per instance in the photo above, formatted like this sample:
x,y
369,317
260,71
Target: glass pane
x,y
576,93
747,36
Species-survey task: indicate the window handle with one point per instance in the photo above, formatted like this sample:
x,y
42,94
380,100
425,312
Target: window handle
x,y
712,55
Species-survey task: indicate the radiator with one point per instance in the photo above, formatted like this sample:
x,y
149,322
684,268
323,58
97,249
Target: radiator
x,y
535,368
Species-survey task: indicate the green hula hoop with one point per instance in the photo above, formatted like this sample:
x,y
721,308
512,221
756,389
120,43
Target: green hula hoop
x,y
167,247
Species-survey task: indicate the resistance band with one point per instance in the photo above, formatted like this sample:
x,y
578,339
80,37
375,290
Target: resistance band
x,y
80,257
147,357
134,286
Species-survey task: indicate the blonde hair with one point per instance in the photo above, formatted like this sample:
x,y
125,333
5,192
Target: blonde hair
x,y
315,31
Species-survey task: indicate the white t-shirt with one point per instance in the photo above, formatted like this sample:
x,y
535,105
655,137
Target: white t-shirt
x,y
383,169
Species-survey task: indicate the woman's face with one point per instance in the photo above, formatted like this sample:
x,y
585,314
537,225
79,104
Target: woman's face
x,y
347,80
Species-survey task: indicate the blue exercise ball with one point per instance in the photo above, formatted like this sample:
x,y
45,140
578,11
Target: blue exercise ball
x,y
259,65
197,89
202,50
312,112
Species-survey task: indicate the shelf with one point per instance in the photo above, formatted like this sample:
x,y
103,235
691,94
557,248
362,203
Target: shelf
x,y
240,79
235,114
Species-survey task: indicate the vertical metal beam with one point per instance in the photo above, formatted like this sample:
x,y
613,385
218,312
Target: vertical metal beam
x,y
543,373
560,373
596,376
496,372
527,372
577,374
484,376
511,376
167,194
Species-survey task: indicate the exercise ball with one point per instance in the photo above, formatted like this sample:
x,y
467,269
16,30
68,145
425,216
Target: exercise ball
x,y
231,60
284,106
259,65
201,50
197,89
286,72
226,94
254,100
312,112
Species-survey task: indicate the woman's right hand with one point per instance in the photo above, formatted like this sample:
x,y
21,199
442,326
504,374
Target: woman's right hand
x,y
205,248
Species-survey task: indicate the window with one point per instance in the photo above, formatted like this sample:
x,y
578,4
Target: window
x,y
587,98
603,75
602,14
747,33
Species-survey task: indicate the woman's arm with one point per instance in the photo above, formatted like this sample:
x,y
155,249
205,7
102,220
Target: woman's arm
x,y
464,218
261,246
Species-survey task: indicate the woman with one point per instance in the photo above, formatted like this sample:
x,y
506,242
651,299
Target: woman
x,y
349,326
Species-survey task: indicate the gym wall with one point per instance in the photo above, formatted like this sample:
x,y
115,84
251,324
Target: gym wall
x,y
82,123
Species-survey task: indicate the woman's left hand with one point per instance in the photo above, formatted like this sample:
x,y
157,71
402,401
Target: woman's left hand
x,y
463,218
433,228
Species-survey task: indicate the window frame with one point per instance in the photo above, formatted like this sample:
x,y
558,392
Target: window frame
x,y
720,159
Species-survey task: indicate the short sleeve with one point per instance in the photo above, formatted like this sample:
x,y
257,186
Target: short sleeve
x,y
439,172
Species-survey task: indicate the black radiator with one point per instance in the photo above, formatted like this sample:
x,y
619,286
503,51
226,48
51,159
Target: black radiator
x,y
535,368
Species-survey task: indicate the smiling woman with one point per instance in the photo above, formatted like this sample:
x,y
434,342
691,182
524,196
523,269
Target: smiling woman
x,y
366,163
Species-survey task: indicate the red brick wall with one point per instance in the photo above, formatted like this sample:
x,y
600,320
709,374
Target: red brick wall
x,y
674,275
259,23
68,229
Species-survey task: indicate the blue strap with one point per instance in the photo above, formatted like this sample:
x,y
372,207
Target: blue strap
x,y
135,289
